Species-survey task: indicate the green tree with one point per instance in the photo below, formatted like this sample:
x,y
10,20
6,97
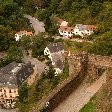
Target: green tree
x,y
14,53
6,37
23,92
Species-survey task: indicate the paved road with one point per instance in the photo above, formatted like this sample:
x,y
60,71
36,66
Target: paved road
x,y
4,110
40,65
81,96
37,25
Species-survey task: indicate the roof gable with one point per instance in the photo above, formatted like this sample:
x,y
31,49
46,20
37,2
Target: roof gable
x,y
55,47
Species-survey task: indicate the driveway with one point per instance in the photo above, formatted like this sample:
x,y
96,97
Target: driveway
x,y
37,25
39,65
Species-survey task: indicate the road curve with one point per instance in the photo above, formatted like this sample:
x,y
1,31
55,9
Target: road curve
x,y
36,24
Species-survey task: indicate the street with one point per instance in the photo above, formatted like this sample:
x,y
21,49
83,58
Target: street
x,y
37,25
40,65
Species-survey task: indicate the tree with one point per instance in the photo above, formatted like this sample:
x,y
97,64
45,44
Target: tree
x,y
51,72
14,53
6,37
25,42
23,92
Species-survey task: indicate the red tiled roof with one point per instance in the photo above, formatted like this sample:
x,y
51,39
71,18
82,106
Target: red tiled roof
x,y
90,27
21,32
24,32
66,28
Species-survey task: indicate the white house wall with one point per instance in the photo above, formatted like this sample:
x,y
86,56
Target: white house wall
x,y
57,71
65,33
46,51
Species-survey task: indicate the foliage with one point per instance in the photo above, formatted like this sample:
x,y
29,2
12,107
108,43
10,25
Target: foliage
x,y
103,44
43,86
6,37
39,42
23,92
25,42
13,54
89,107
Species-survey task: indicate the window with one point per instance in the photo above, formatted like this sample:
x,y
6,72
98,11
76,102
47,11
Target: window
x,y
76,32
0,90
4,90
9,90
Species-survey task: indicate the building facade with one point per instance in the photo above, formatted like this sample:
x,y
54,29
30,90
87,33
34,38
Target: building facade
x,y
12,76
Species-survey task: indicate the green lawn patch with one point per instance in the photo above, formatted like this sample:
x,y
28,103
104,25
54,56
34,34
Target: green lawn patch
x,y
89,107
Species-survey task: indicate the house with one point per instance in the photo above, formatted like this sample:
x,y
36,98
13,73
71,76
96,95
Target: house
x,y
60,22
11,77
66,31
18,35
57,61
84,30
55,52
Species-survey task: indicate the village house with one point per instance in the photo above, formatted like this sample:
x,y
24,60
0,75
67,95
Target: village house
x,y
79,29
60,22
66,31
11,77
84,30
55,52
18,35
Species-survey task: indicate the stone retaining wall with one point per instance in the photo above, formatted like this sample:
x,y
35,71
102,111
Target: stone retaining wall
x,y
63,90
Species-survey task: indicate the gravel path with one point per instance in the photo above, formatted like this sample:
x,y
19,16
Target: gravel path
x,y
80,97
37,25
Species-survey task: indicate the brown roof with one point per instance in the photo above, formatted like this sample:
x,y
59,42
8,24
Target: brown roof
x,y
58,20
90,27
24,32
66,28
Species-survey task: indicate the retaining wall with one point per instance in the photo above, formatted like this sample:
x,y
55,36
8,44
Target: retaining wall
x,y
63,90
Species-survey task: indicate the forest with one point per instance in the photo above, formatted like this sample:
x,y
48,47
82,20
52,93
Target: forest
x,y
95,12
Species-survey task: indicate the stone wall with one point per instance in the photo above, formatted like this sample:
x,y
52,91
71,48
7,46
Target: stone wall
x,y
97,64
64,89
104,61
80,64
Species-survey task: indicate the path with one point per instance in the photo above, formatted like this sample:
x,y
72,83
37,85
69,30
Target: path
x,y
81,96
10,110
39,65
37,25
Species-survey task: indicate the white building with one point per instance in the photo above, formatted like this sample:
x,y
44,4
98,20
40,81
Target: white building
x,y
18,35
55,52
66,31
84,30
79,29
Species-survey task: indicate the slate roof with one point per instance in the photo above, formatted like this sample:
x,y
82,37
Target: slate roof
x,y
55,47
14,74
58,59
86,27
